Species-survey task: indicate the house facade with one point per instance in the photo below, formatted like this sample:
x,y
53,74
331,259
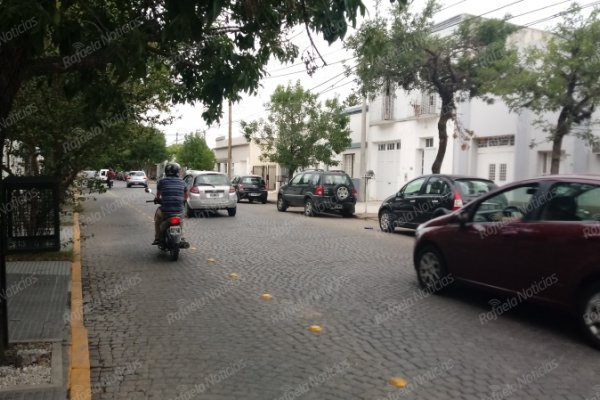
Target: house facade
x,y
245,159
487,140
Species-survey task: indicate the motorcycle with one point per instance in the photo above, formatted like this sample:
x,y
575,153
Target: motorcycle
x,y
170,239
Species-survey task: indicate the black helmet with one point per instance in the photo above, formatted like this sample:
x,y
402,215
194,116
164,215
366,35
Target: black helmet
x,y
172,169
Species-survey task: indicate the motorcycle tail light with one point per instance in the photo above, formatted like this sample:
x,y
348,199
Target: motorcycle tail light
x,y
174,221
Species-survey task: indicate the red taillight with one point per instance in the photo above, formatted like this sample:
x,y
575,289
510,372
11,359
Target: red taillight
x,y
354,192
231,189
174,221
128,178
319,191
194,189
458,203
241,187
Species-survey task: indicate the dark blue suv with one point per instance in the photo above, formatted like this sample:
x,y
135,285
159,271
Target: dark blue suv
x,y
319,191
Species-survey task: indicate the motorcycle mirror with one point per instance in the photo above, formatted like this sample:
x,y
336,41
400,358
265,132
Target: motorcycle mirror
x,y
148,190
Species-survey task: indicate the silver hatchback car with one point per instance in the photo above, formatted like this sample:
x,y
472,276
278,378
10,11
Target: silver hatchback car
x,y
209,191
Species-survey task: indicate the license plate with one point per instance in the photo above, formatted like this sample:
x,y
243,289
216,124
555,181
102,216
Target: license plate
x,y
175,230
254,194
213,195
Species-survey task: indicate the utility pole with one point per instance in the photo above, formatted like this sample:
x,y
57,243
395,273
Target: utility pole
x,y
363,147
176,137
229,145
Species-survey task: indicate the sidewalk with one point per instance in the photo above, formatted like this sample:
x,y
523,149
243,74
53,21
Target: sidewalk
x,y
38,294
370,212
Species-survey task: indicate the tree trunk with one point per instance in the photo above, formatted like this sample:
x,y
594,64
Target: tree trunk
x,y
562,129
445,115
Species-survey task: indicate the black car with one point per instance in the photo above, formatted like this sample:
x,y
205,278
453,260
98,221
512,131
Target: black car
x,y
319,191
428,197
250,187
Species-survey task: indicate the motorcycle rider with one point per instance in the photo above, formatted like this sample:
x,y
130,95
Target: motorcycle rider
x,y
110,176
171,194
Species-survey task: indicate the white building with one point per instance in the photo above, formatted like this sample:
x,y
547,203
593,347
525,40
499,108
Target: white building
x,y
245,159
402,139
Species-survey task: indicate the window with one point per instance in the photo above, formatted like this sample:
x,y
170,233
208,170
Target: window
x,y
508,140
397,145
413,188
429,142
381,147
502,177
572,202
437,186
492,172
391,146
308,178
211,180
296,179
506,206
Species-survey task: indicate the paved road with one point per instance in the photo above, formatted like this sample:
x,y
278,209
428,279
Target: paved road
x,y
186,330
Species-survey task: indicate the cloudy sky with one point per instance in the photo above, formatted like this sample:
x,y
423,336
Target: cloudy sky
x,y
330,80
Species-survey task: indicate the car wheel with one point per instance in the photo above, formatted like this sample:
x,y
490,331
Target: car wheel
x,y
431,270
128,186
589,314
239,198
309,208
341,192
232,211
347,214
264,201
250,200
282,205
387,221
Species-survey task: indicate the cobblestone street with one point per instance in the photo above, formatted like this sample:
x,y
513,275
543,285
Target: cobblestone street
x,y
189,330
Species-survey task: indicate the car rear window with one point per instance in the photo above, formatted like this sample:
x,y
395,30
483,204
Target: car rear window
x,y
474,187
336,179
211,179
137,173
252,180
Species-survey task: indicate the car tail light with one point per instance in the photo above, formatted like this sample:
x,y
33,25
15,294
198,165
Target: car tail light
x,y
241,187
128,178
354,192
319,191
194,189
458,203
174,221
231,189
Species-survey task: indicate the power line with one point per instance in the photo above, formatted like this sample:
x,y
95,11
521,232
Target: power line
x,y
560,14
330,79
304,70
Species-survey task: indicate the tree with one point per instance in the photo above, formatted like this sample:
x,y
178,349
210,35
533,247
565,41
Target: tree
x,y
560,76
406,52
174,150
144,147
213,49
195,154
299,131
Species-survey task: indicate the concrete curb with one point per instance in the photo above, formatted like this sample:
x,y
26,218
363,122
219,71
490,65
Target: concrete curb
x,y
79,357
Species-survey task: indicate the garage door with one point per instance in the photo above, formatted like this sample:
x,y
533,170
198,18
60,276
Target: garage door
x,y
387,174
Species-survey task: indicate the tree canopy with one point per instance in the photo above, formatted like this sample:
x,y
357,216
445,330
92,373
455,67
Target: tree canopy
x,y
213,49
300,131
559,75
406,52
195,154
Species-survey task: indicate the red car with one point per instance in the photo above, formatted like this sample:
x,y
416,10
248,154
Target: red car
x,y
537,239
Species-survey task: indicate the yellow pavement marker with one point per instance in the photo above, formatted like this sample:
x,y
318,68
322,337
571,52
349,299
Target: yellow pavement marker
x,y
266,296
211,260
315,328
233,275
398,382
